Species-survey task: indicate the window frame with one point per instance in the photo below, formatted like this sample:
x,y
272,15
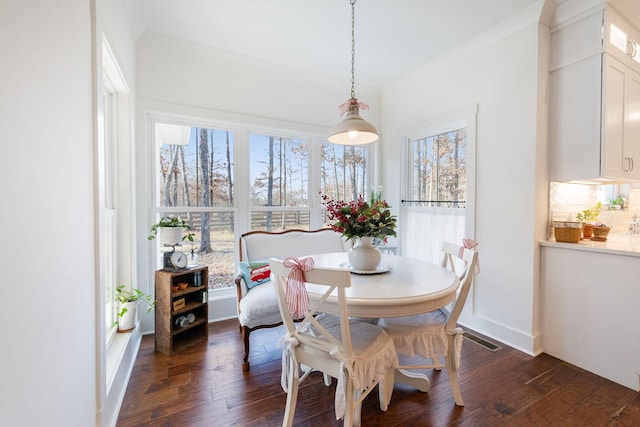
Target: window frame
x,y
242,206
461,118
115,207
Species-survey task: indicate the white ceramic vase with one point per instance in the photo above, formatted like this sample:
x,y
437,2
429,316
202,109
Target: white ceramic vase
x,y
364,256
170,236
127,322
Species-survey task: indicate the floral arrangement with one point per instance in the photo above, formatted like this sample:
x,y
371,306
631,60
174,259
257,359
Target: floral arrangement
x,y
359,218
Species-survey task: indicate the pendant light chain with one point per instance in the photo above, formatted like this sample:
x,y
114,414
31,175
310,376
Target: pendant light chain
x,y
353,130
353,48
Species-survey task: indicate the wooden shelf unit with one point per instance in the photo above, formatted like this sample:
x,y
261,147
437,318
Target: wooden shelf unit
x,y
170,337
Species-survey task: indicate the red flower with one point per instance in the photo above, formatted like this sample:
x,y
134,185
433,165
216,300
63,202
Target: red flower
x,y
360,219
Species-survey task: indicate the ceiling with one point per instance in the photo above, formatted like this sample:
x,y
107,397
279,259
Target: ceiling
x,y
393,38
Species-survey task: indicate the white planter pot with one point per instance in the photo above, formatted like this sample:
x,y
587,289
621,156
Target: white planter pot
x,y
364,256
170,236
127,322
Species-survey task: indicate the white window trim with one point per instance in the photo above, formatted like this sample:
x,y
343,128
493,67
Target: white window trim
x,y
463,117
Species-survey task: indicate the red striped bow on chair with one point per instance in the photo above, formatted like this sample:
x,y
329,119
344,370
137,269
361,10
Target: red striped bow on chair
x,y
469,244
297,298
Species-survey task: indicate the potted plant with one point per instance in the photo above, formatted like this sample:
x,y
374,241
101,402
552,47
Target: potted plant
x,y
171,229
617,204
600,232
588,217
127,305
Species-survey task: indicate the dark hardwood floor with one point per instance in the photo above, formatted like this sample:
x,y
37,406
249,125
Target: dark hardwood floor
x,y
205,386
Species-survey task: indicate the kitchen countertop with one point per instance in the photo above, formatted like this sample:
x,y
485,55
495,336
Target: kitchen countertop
x,y
616,244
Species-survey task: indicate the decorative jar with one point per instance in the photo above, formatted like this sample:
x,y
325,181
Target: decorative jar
x,y
363,256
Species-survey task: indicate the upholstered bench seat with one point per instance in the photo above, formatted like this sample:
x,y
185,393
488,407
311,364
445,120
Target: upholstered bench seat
x,y
259,307
257,301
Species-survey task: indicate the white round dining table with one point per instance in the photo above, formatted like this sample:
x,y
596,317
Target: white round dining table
x,y
410,286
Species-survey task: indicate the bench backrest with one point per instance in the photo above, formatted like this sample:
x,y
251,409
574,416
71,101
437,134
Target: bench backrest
x,y
260,245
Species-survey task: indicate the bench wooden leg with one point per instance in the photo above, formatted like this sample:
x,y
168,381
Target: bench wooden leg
x,y
245,337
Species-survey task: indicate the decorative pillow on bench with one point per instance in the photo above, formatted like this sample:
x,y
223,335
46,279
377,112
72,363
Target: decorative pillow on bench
x,y
256,272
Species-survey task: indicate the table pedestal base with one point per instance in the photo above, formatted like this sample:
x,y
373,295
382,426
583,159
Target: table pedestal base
x,y
414,379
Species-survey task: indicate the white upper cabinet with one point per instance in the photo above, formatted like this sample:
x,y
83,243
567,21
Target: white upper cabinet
x,y
621,148
595,100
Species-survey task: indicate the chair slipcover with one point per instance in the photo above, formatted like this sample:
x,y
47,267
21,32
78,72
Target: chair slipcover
x,y
358,354
434,335
373,353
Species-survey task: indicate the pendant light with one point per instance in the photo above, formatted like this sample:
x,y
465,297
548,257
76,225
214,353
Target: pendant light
x,y
353,130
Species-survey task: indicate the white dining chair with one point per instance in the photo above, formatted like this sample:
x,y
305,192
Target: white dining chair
x,y
435,335
359,355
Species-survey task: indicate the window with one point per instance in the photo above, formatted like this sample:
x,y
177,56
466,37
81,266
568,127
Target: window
x,y
344,171
439,169
618,38
114,189
195,182
114,210
109,239
225,181
279,192
439,190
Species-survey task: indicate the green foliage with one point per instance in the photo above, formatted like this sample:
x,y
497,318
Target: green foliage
x,y
589,215
358,218
618,201
125,295
171,221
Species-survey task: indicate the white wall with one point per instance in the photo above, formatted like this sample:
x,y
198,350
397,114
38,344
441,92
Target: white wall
x,y
47,321
499,73
50,326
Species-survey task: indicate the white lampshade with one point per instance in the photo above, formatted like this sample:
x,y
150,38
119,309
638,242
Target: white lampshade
x,y
172,134
353,130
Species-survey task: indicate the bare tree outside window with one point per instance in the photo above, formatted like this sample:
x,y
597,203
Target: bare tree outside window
x,y
439,166
197,173
343,172
279,175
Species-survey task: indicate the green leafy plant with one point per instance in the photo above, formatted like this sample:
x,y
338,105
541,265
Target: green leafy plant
x,y
358,218
589,215
171,221
124,295
618,201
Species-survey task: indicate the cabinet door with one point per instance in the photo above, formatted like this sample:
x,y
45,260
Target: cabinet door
x,y
613,117
632,125
575,130
621,131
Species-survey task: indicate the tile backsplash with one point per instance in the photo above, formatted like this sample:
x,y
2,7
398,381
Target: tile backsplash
x,y
565,200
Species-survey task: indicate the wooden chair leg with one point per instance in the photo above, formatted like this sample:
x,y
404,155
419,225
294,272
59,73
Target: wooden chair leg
x,y
327,379
357,409
349,399
385,389
453,375
436,362
292,395
245,359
